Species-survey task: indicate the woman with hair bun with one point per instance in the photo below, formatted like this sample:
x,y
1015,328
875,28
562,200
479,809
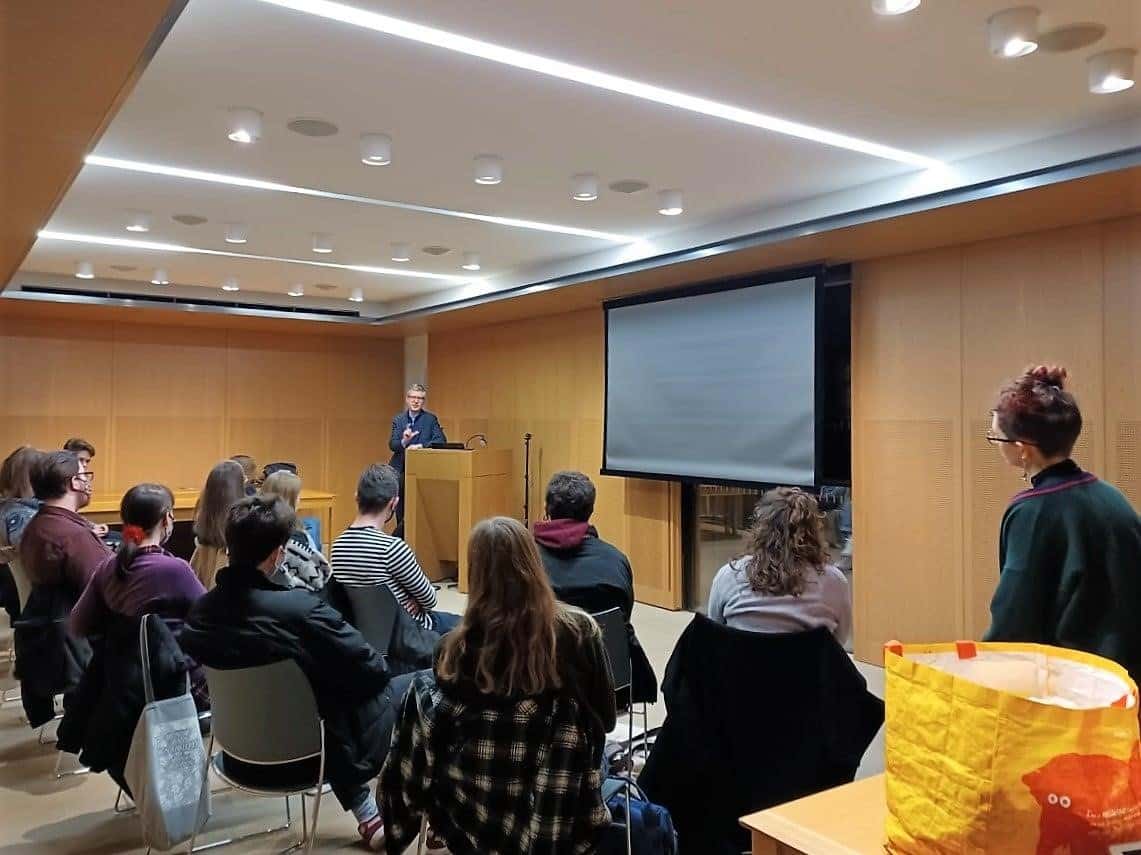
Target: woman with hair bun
x,y
1070,545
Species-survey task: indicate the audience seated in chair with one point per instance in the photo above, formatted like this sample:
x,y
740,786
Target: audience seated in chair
x,y
303,566
59,552
224,487
251,475
753,720
365,555
141,578
784,582
247,620
501,747
586,571
85,451
18,504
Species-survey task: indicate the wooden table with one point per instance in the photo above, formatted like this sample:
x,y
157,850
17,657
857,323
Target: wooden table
x,y
847,820
104,508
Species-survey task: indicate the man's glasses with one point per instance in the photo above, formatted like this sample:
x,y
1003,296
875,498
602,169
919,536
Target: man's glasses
x,y
88,474
996,440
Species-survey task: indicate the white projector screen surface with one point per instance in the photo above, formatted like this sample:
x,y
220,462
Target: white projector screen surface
x,y
718,386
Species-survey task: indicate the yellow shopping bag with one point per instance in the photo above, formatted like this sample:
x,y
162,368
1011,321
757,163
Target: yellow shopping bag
x,y
1012,749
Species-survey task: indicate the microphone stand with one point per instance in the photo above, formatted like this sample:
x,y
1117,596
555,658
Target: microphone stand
x,y
527,479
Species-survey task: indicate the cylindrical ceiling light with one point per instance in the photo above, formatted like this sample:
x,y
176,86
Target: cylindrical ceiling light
x,y
236,233
1111,71
160,277
137,221
297,290
894,7
471,261
488,169
670,203
356,296
84,270
584,187
245,125
322,242
231,284
376,149
401,251
1013,32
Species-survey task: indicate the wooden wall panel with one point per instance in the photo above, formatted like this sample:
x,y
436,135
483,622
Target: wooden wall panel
x,y
1030,299
906,350
166,402
1070,296
545,376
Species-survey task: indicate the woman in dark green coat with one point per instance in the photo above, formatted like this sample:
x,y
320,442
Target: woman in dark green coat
x,y
1070,545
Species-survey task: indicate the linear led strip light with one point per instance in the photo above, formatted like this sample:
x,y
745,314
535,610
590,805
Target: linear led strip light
x,y
259,184
597,79
157,246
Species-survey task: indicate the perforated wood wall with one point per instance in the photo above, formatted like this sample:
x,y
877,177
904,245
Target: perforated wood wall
x,y
934,337
545,376
165,403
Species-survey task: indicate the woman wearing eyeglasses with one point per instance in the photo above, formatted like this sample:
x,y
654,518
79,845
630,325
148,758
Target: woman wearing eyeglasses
x,y
1070,545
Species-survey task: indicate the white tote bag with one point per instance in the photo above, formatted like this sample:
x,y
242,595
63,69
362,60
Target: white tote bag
x,y
167,765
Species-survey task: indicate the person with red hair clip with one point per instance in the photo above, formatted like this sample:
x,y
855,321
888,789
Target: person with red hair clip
x,y
1070,545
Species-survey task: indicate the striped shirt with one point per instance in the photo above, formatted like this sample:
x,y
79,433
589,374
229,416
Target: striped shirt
x,y
364,556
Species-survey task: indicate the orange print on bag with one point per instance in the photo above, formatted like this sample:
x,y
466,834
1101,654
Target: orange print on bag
x,y
1089,802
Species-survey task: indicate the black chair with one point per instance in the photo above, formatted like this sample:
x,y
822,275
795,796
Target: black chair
x,y
617,644
374,613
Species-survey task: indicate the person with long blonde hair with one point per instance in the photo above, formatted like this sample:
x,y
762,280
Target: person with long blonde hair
x,y
303,565
501,746
224,487
783,582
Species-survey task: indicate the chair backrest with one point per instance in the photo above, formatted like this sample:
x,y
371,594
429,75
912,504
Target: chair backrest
x,y
374,613
617,645
10,555
265,714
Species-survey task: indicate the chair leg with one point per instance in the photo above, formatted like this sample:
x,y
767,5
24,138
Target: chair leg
x,y
320,790
629,822
645,731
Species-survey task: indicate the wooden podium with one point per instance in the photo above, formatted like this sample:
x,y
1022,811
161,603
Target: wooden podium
x,y
446,492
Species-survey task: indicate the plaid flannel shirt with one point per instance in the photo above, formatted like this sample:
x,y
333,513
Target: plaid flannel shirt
x,y
504,777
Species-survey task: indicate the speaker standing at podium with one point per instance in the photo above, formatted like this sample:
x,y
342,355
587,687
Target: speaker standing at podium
x,y
415,427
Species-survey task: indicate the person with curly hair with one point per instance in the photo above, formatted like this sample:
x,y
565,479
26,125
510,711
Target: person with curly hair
x,y
783,582
1070,545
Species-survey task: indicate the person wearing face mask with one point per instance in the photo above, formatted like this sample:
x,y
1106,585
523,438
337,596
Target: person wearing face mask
x,y
58,552
246,620
141,578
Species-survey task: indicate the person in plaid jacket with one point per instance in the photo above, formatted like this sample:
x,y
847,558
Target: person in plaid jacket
x,y
501,745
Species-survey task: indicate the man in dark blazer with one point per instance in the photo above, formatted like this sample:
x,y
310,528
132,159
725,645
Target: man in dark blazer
x,y
414,427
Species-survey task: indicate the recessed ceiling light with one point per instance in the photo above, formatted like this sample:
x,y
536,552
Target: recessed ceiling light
x,y
231,284
84,270
297,290
245,125
189,219
236,233
894,7
322,243
1111,71
488,169
1013,32
376,149
591,77
160,277
357,296
401,251
628,186
471,261
156,246
584,187
435,249
670,203
137,221
258,184
312,127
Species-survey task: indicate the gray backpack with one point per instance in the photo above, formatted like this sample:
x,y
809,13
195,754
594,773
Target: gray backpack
x,y
167,765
